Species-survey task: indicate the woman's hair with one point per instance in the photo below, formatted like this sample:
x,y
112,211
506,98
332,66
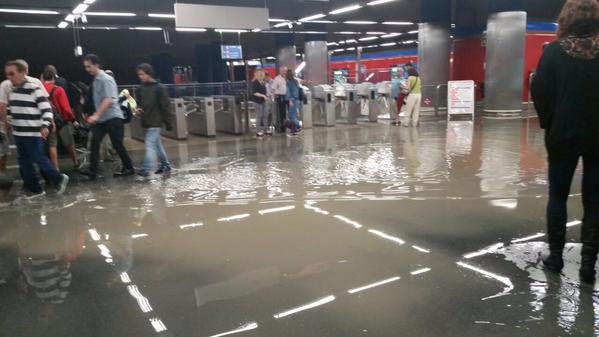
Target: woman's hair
x,y
290,75
259,75
413,72
578,18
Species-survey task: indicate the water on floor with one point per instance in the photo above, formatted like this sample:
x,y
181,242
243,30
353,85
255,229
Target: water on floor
x,y
365,230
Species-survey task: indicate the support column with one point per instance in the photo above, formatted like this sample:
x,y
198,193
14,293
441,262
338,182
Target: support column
x,y
316,54
286,50
434,48
504,79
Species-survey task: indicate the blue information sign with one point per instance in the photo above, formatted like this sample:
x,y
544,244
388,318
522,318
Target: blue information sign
x,y
231,52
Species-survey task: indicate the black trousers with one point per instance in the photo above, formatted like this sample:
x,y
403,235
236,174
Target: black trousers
x,y
282,112
562,166
114,128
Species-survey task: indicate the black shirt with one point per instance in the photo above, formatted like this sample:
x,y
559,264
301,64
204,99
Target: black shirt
x,y
260,88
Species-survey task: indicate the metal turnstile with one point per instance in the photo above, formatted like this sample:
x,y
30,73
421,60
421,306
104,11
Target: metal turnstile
x,y
200,116
369,107
228,115
386,103
178,120
347,109
307,117
323,105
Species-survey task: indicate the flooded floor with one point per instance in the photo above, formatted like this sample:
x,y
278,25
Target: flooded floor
x,y
366,230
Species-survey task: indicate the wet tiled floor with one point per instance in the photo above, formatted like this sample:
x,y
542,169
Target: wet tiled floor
x,y
365,230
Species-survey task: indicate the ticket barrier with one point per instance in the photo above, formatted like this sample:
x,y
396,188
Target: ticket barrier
x,y
367,95
227,111
323,105
347,109
178,120
200,116
307,109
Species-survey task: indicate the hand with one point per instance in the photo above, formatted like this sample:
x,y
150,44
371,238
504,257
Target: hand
x,y
45,133
139,111
93,119
76,125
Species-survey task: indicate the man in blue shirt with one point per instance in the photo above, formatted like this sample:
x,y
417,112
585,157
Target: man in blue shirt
x,y
107,119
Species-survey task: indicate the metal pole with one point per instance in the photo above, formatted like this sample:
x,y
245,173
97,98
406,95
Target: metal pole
x,y
358,63
247,95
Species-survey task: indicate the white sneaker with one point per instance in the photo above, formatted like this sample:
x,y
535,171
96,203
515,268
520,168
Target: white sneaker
x,y
63,184
33,195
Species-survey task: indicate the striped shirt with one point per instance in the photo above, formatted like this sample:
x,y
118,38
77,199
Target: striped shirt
x,y
49,277
30,110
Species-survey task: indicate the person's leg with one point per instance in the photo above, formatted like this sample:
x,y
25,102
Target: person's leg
x,y
417,106
66,136
114,128
282,103
262,118
409,110
150,159
400,103
165,164
98,133
43,162
25,153
3,161
590,225
562,165
53,155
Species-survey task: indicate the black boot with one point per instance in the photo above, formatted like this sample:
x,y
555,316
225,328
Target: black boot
x,y
587,264
554,261
556,231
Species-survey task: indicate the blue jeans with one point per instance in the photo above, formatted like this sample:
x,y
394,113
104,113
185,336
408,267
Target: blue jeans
x,y
31,151
154,148
294,113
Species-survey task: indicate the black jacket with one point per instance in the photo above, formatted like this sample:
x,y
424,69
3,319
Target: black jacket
x,y
565,91
153,99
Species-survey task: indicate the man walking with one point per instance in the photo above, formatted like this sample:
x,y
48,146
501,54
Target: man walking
x,y
279,88
154,108
31,122
107,119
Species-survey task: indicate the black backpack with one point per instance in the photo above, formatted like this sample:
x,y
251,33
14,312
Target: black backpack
x,y
58,120
126,109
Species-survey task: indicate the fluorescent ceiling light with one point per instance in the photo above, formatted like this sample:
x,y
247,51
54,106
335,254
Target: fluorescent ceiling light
x,y
413,32
379,2
109,14
350,49
89,2
230,30
376,33
29,26
312,17
70,18
371,46
63,24
299,70
145,28
256,30
80,8
338,50
162,16
360,22
347,33
310,32
190,29
277,20
332,44
398,23
282,24
351,41
322,21
388,44
28,11
244,328
369,38
345,9
391,35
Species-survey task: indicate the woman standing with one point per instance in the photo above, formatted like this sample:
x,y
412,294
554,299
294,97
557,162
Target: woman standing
x,y
259,97
565,95
294,99
414,100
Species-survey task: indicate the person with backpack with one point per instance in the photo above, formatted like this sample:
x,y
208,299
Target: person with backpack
x,y
414,98
64,129
107,119
154,107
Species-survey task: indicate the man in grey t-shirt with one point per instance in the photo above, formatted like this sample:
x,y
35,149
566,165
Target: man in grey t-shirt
x,y
107,119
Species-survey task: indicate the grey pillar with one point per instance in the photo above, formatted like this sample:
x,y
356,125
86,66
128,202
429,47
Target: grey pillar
x,y
286,57
506,47
434,51
317,62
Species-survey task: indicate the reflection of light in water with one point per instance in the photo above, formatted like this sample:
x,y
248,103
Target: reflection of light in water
x,y
308,306
275,210
243,328
460,137
43,219
192,225
137,236
569,305
142,301
484,251
94,234
421,271
573,223
373,285
499,171
528,238
125,278
348,221
539,291
505,203
386,236
157,324
309,206
422,250
104,250
234,217
505,280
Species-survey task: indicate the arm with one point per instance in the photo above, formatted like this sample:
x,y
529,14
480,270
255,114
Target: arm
x,y
255,91
165,107
63,102
110,91
46,109
542,91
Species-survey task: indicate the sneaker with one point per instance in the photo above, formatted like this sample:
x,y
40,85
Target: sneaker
x,y
33,195
63,184
124,173
90,174
164,170
142,174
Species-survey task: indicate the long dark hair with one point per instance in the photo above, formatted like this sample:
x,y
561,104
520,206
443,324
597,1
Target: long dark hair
x,y
578,18
413,72
290,75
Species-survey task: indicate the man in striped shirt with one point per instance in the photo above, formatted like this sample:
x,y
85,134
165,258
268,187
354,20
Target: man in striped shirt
x,y
31,122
